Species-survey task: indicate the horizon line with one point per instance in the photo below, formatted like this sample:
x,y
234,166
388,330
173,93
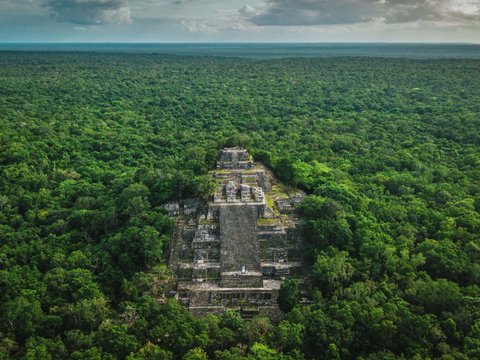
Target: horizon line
x,y
232,42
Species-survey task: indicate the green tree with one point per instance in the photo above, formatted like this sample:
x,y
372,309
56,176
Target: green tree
x,y
114,339
195,354
288,295
332,270
263,352
288,335
42,348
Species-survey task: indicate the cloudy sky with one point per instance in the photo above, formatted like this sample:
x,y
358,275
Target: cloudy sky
x,y
240,20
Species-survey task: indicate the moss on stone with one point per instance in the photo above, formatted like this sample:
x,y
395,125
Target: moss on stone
x,y
265,221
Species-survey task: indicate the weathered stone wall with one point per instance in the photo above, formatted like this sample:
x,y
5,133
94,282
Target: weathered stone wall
x,y
239,280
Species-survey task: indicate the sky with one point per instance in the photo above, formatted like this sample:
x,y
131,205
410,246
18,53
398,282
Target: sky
x,y
194,21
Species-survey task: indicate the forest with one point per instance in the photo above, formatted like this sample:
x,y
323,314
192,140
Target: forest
x,y
92,145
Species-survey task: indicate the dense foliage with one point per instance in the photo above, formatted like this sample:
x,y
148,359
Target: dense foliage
x,y
91,145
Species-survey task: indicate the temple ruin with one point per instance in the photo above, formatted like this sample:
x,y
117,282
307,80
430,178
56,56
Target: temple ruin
x,y
234,251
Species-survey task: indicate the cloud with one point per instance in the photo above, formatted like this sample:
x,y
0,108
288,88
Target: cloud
x,y
251,10
199,26
90,12
341,12
310,12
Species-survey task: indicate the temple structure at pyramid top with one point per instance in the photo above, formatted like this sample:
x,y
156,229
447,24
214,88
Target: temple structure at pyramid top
x,y
234,158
